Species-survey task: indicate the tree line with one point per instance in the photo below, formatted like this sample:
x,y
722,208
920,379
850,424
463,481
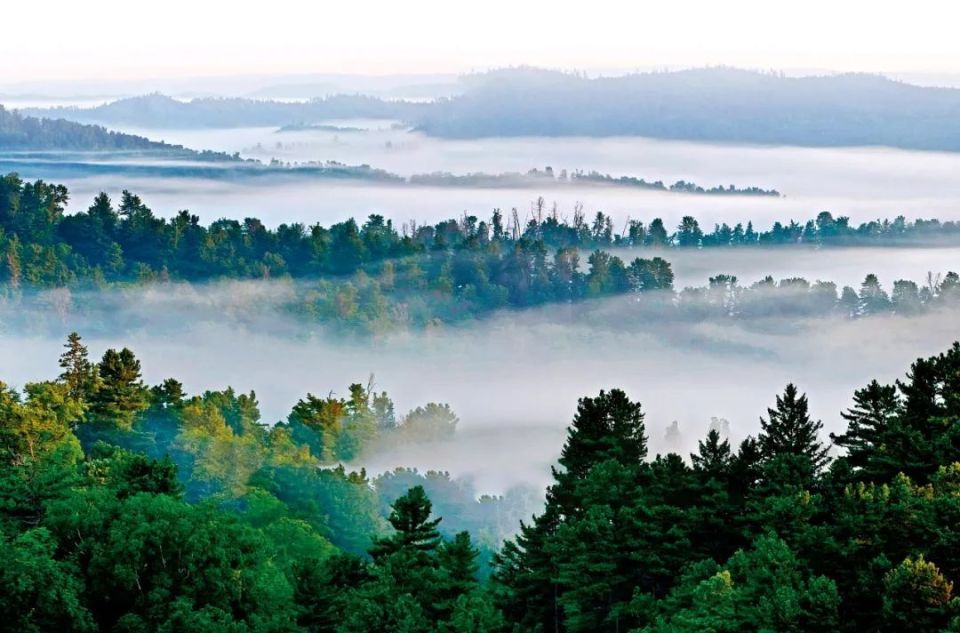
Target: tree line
x,y
782,532
42,246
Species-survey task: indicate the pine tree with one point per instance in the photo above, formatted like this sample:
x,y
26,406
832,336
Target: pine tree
x,y
457,561
916,597
873,298
869,423
609,426
410,517
79,374
714,456
121,394
607,435
790,436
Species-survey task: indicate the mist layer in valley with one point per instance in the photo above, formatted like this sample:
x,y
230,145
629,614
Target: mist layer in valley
x,y
864,184
513,379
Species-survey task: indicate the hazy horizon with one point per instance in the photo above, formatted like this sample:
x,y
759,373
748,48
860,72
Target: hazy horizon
x,y
296,37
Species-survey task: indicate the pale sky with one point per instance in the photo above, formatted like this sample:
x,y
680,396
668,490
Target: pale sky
x,y
124,39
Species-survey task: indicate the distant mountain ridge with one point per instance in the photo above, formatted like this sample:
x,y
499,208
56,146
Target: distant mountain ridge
x,y
717,104
709,104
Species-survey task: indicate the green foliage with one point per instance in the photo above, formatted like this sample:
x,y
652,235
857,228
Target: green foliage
x,y
764,588
371,278
917,596
120,394
39,593
414,531
793,454
765,538
189,514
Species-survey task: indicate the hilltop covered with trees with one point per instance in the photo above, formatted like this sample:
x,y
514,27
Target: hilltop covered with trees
x,y
127,507
704,104
770,534
161,111
19,132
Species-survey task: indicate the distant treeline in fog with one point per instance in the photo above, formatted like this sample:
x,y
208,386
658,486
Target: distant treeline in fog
x,y
376,278
43,246
19,132
537,177
711,104
160,111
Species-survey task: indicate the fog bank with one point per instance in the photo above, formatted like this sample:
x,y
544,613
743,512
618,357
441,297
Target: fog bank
x,y
513,379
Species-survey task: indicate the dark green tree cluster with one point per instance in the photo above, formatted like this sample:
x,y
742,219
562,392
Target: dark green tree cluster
x,y
415,582
475,259
41,246
448,287
769,535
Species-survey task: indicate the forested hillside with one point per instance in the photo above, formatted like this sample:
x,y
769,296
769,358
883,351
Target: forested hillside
x,y
127,507
19,132
707,104
160,111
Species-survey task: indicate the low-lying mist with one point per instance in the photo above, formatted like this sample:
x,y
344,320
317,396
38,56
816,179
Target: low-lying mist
x,y
843,266
513,379
863,183
282,199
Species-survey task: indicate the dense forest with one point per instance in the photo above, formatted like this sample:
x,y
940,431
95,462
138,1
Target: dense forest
x,y
43,246
377,278
705,104
127,507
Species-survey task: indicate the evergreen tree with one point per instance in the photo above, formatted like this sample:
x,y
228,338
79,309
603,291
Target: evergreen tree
x,y
917,597
410,519
120,395
550,555
789,439
873,298
457,563
714,457
79,373
869,423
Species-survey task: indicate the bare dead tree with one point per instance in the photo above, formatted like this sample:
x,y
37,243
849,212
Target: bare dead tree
x,y
578,215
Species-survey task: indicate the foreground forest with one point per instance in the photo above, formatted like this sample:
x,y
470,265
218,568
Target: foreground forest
x,y
127,507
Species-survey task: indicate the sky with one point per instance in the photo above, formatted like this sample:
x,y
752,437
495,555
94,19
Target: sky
x,y
119,40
